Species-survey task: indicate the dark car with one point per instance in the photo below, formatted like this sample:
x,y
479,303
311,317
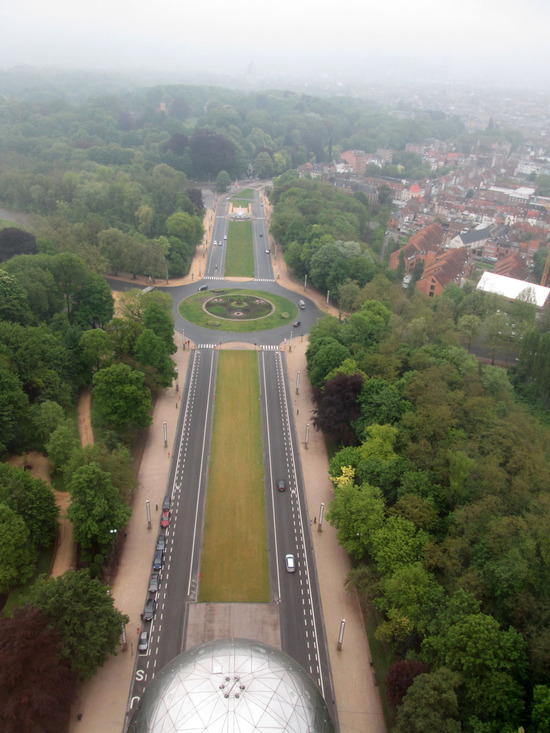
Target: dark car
x,y
157,560
281,485
203,287
165,519
161,541
143,643
166,503
149,610
261,235
296,324
153,583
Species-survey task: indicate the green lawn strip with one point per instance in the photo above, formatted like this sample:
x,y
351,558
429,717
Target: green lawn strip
x,y
191,309
234,552
239,256
243,198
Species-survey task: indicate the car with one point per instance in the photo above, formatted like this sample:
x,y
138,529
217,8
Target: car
x,y
158,559
154,581
149,610
215,243
166,503
225,236
161,541
165,519
143,643
290,563
267,251
296,324
203,287
281,485
261,234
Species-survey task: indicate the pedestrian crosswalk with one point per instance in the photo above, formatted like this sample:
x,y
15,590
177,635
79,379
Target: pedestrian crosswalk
x,y
256,279
261,347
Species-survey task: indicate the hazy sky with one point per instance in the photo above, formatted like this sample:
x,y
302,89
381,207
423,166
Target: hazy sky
x,y
497,40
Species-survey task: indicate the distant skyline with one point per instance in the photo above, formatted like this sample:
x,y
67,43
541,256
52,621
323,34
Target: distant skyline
x,y
489,42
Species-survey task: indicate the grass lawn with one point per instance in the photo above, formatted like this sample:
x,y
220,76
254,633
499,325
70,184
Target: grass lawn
x,y
239,256
191,309
243,198
234,553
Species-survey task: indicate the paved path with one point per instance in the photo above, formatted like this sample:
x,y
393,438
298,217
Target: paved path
x,y
102,701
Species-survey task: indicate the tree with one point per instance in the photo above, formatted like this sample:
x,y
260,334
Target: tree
x,y
337,407
431,704
34,502
489,660
82,612
70,273
121,401
14,303
357,513
161,322
187,228
400,677
397,543
540,714
13,408
46,417
323,356
37,688
17,553
95,303
14,241
97,348
62,443
151,352
96,508
223,181
117,463
263,165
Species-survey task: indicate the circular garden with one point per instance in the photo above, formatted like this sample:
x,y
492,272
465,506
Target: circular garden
x,y
237,310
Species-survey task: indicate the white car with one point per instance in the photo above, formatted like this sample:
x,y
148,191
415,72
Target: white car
x,y
225,236
215,243
290,563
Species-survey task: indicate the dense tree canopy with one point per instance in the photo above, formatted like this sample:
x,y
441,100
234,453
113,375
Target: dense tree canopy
x,y
82,612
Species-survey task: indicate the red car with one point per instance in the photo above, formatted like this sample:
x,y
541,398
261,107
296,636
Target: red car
x,y
165,519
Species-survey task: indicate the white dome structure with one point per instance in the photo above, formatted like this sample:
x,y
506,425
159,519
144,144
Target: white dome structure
x,y
232,686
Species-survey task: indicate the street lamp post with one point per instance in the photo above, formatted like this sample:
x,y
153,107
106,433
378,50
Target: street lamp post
x,y
183,338
177,382
114,533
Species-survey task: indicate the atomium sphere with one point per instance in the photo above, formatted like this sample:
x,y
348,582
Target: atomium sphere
x,y
232,686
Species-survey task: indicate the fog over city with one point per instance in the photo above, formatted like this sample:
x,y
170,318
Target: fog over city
x,y
486,42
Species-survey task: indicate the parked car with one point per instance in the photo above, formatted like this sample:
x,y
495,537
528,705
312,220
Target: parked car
x,y
161,541
281,485
165,519
149,610
143,643
166,503
158,559
296,324
290,563
154,581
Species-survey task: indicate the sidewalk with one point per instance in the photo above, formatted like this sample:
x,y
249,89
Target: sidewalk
x,y
103,700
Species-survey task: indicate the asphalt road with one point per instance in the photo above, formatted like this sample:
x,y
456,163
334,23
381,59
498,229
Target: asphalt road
x,y
289,530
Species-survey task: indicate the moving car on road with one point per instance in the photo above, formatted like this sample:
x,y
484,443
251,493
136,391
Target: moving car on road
x,y
290,563
281,485
296,324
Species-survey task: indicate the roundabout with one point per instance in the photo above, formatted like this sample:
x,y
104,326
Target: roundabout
x,y
238,310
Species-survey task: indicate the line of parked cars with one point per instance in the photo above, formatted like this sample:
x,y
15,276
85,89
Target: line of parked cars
x,y
154,579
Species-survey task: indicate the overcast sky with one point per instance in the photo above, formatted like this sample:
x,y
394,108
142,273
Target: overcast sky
x,y
490,40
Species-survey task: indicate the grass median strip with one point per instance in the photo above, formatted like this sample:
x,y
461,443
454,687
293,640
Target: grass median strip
x,y
239,256
234,554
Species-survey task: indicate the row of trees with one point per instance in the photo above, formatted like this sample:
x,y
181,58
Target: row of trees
x,y
441,499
